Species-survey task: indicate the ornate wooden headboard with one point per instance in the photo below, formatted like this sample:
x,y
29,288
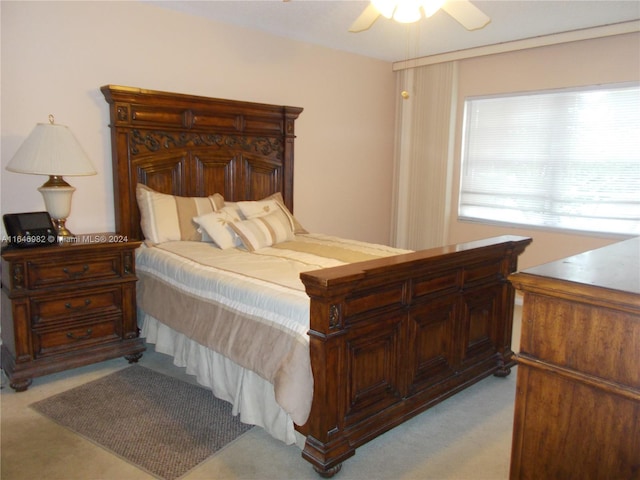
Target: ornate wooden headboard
x,y
196,146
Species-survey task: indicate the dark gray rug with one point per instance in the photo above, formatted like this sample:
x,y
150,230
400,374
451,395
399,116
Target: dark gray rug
x,y
159,423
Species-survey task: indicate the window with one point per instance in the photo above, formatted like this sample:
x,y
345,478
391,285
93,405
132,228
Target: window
x,y
561,159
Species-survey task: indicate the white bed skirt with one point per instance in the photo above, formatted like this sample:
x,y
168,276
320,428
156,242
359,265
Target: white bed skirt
x,y
251,396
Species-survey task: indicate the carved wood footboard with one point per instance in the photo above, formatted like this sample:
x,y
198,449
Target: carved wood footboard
x,y
393,337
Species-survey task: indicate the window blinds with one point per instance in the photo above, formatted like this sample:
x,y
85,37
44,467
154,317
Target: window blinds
x,y
565,159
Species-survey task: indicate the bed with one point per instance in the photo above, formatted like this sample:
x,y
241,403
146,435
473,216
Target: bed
x,y
373,339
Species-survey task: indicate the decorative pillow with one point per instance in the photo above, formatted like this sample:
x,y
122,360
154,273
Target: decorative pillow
x,y
297,228
166,217
217,226
252,209
258,208
235,208
264,231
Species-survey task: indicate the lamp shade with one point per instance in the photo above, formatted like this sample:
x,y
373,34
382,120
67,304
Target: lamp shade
x,y
51,149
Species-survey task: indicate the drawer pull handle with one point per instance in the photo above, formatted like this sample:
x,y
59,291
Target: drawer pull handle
x,y
83,337
85,269
87,302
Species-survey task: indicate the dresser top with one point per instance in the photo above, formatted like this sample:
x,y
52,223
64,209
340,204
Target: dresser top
x,y
614,267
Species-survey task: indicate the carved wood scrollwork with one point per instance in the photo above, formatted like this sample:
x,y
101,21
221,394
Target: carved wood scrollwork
x,y
335,315
128,264
18,276
156,140
123,113
289,127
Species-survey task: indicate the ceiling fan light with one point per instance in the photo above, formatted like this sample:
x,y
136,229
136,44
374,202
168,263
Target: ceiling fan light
x,y
407,11
385,7
429,7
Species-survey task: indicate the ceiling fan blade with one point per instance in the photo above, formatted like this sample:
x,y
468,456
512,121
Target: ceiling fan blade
x,y
366,19
466,13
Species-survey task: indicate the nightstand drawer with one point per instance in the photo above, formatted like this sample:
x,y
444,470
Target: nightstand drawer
x,y
74,336
76,304
42,274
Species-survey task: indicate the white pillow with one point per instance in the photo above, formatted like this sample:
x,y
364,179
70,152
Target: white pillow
x,y
264,231
217,225
166,217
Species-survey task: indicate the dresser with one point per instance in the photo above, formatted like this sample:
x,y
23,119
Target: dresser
x,y
577,411
68,305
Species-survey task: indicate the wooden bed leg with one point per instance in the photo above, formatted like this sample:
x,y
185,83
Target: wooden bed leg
x,y
328,473
133,358
503,369
326,457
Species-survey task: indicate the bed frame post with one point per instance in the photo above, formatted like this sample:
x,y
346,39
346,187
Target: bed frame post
x,y
326,447
290,116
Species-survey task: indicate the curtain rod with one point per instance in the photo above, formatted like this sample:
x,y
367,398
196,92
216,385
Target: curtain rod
x,y
533,42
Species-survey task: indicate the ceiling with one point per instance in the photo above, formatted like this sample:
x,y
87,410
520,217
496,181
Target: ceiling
x,y
326,23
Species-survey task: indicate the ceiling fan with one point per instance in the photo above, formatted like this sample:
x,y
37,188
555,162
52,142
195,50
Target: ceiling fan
x,y
408,11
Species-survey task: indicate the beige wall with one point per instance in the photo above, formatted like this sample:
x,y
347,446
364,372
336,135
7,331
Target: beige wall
x,y
605,60
56,55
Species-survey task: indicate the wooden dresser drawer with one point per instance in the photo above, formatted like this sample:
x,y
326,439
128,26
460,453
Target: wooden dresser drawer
x,y
75,304
51,341
43,274
611,333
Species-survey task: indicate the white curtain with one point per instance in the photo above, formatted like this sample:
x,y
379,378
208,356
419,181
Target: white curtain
x,y
424,156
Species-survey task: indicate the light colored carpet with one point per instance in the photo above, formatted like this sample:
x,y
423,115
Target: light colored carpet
x,y
162,424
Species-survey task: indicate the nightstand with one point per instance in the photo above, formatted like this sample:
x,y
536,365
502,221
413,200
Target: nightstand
x,y
68,305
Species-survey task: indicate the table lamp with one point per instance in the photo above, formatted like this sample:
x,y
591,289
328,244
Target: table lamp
x,y
51,149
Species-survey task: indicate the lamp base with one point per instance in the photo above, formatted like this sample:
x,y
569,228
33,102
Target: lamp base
x,y
64,235
57,199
